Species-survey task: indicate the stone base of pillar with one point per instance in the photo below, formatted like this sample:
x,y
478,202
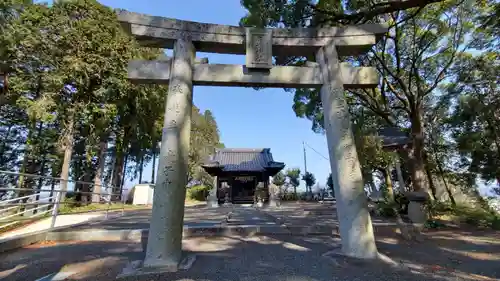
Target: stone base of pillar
x,y
273,203
259,204
416,208
213,203
137,267
338,256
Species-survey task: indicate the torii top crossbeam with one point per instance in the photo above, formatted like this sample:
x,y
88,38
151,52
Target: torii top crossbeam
x,y
258,45
161,32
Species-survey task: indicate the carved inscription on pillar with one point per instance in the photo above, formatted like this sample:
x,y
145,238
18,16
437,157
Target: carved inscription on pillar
x,y
347,145
259,48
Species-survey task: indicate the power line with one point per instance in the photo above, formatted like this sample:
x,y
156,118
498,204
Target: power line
x,y
317,152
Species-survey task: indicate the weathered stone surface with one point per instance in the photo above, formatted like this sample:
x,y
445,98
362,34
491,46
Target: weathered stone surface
x,y
399,173
259,48
162,32
213,201
417,213
274,194
141,71
165,239
418,196
355,226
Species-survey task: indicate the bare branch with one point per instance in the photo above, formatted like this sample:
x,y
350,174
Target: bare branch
x,y
397,78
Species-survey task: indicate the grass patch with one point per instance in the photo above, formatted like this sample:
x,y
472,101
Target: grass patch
x,y
72,207
190,202
462,214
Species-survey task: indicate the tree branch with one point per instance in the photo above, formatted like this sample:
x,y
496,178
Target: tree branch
x,y
397,78
365,103
374,10
441,75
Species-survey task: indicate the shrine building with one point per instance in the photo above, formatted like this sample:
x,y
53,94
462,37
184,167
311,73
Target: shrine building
x,y
240,172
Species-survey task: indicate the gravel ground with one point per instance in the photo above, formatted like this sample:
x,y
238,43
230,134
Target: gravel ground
x,y
444,255
256,258
140,219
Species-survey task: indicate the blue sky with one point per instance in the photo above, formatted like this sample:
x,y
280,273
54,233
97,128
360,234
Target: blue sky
x,y
246,117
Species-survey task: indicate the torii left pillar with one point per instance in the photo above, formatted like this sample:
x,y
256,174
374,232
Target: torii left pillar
x,y
164,248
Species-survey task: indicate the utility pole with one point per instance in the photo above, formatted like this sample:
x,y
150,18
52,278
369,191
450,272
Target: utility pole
x,y
305,164
305,160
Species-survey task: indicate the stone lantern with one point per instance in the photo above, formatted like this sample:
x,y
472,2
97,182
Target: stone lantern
x,y
396,140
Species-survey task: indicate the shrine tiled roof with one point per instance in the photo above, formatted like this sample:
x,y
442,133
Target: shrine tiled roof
x,y
243,159
394,137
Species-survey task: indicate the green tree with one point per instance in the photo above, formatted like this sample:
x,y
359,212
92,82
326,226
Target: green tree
x,y
414,61
293,176
67,109
279,179
204,141
310,180
329,184
475,121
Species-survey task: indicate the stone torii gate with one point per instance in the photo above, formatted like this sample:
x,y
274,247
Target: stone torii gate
x,y
164,248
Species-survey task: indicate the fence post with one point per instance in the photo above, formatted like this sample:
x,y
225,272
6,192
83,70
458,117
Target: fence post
x,y
55,210
124,199
107,209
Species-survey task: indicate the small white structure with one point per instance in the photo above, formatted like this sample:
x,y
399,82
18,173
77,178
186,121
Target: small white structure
x,y
142,194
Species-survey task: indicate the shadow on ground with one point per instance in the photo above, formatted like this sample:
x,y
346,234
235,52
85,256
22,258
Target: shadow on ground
x,y
444,255
139,219
468,253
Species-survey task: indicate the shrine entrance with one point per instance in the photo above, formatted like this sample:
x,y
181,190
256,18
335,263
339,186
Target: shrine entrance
x,y
243,189
183,70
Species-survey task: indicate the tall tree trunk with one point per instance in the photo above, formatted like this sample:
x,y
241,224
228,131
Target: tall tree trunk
x,y
416,155
40,181
388,182
117,174
67,147
446,186
78,172
403,227
122,182
141,167
86,186
153,170
22,181
430,179
88,176
55,171
101,161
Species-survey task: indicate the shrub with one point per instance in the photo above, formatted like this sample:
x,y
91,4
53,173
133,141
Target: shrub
x,y
402,203
69,194
288,197
68,204
198,192
472,215
385,209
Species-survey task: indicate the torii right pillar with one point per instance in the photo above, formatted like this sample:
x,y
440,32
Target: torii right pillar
x,y
355,224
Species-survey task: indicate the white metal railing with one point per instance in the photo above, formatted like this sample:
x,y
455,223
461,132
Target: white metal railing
x,y
24,206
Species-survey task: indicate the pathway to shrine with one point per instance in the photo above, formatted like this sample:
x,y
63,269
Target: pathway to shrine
x,y
445,255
